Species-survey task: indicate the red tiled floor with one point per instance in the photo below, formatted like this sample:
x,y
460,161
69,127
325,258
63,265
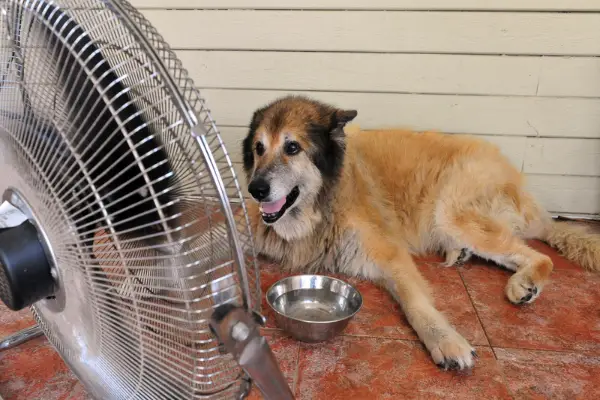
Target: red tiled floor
x,y
566,316
381,316
78,393
550,375
378,356
372,368
269,274
11,321
34,371
559,261
286,351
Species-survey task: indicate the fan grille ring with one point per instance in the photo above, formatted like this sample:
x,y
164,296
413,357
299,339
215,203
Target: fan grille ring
x,y
135,323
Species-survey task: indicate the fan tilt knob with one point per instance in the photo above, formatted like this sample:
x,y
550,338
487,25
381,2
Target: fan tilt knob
x,y
25,273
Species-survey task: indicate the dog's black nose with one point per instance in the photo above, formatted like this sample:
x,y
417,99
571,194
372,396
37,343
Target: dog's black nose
x,y
259,189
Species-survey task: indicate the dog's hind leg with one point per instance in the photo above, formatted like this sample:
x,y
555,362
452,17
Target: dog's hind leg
x,y
494,240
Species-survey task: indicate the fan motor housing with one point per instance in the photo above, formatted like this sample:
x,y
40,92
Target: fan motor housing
x,y
25,273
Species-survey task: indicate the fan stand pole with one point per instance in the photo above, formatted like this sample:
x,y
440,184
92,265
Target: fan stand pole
x,y
20,337
238,331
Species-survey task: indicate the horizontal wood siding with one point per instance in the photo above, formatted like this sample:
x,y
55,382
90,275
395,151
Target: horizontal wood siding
x,y
366,31
523,74
390,5
491,115
396,73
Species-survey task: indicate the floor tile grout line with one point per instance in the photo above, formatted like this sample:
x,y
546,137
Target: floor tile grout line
x,y
557,351
500,369
462,278
487,346
380,337
503,375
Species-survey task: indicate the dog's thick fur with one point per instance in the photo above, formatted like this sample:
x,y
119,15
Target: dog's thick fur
x,y
370,199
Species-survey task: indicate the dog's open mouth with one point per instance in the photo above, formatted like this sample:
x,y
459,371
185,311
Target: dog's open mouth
x,y
274,210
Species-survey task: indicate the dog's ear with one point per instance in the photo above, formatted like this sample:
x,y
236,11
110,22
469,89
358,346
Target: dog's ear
x,y
247,150
329,140
338,120
342,117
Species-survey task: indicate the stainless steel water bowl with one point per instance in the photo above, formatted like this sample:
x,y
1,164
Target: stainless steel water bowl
x,y
313,308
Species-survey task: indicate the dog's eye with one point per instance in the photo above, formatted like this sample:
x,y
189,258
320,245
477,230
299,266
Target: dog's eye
x,y
292,148
260,148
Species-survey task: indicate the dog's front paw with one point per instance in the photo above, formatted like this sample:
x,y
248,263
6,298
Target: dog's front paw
x,y
451,351
521,289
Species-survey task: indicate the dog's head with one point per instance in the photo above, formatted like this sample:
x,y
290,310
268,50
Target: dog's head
x,y
294,150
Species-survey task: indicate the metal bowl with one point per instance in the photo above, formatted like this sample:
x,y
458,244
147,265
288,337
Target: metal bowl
x,y
313,308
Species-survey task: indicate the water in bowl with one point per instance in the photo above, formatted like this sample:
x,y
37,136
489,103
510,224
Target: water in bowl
x,y
315,305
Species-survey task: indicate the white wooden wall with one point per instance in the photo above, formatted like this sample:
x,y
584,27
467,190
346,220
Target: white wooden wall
x,y
524,74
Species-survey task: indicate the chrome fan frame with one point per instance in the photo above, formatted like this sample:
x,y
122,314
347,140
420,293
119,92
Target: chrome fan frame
x,y
133,294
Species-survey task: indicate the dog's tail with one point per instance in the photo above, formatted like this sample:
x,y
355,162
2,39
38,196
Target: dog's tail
x,y
575,242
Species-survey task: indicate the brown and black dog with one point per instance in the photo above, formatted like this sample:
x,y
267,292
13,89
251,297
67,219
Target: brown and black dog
x,y
362,203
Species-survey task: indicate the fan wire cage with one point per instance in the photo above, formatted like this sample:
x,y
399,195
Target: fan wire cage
x,y
107,143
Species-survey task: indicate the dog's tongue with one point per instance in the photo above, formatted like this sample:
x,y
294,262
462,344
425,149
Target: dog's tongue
x,y
272,207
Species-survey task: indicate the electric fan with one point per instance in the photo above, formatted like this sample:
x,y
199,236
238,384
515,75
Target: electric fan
x,y
122,222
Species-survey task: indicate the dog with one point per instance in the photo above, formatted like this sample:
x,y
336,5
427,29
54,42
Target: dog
x,y
363,203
